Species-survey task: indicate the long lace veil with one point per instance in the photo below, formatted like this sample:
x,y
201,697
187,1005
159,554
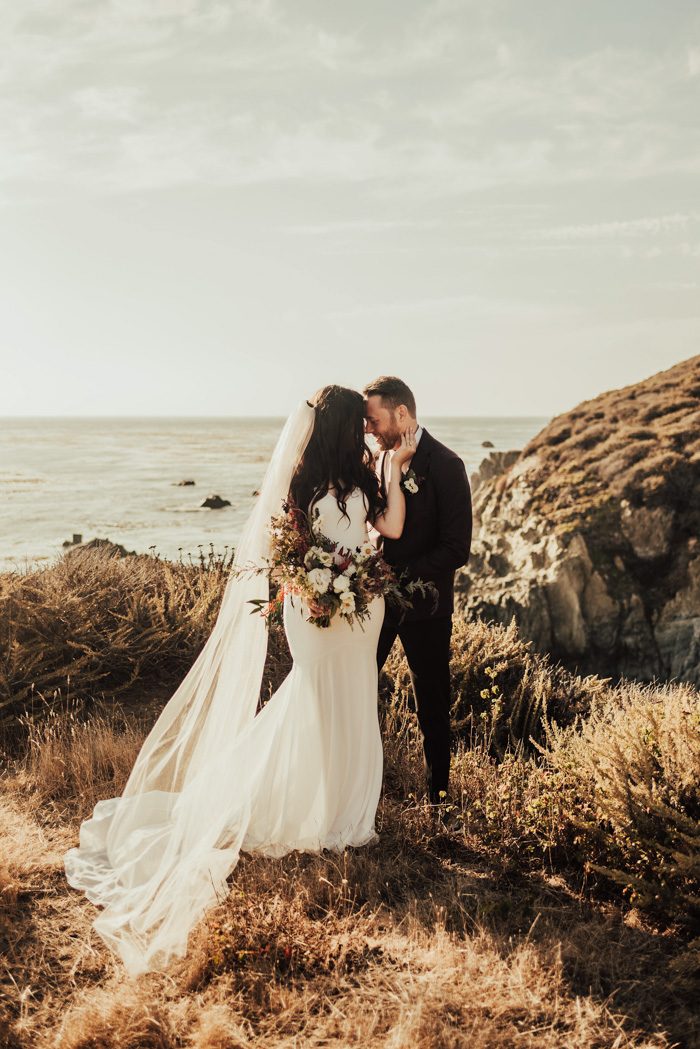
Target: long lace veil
x,y
158,856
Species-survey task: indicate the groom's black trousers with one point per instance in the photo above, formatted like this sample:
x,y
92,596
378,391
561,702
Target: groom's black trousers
x,y
426,643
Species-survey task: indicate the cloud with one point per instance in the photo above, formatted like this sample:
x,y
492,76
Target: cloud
x,y
472,306
118,103
359,226
126,95
623,229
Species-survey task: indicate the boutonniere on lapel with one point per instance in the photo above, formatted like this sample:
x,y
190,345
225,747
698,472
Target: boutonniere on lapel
x,y
411,482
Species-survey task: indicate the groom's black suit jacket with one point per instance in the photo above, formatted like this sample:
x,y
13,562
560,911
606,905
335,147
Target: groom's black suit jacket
x,y
437,533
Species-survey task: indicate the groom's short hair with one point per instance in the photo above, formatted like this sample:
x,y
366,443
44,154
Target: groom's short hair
x,y
393,392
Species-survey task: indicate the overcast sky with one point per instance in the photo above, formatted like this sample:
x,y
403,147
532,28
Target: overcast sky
x,y
217,207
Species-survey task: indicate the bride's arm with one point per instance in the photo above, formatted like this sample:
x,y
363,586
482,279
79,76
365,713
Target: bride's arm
x,y
390,523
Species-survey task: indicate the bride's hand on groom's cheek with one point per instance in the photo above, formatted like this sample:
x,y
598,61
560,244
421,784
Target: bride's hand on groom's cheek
x,y
407,449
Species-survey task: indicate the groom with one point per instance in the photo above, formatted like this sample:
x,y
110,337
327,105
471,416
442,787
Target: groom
x,y
436,540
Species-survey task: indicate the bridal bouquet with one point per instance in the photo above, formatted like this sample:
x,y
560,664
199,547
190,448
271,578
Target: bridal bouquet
x,y
340,581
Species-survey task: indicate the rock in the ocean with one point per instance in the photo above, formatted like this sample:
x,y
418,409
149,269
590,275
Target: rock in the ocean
x,y
589,536
182,484
215,502
487,444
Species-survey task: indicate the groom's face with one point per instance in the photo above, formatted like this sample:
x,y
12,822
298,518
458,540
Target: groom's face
x,y
385,424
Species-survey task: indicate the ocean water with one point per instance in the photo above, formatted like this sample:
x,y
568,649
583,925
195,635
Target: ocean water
x,y
117,478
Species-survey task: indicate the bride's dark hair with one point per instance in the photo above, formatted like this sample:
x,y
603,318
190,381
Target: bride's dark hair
x,y
336,455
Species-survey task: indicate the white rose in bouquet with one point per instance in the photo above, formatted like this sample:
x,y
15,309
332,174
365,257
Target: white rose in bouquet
x,y
347,602
341,583
320,579
315,553
350,571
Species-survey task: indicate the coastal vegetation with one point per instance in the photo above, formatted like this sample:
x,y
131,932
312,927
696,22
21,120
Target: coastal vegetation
x,y
554,900
640,443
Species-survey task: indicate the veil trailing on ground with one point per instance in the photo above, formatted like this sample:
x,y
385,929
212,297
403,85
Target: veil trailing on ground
x,y
157,857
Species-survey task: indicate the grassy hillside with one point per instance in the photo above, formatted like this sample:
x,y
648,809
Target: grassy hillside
x,y
556,906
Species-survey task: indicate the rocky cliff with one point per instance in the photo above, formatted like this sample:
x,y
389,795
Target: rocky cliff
x,y
590,536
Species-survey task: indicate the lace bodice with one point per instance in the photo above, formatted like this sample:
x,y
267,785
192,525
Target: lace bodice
x,y
350,531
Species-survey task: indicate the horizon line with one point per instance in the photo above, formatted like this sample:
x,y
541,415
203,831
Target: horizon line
x,y
427,415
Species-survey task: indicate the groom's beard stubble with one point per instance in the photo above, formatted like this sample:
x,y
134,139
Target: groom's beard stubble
x,y
388,441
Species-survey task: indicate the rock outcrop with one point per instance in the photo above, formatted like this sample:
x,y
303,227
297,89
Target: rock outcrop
x,y
590,536
105,546
215,502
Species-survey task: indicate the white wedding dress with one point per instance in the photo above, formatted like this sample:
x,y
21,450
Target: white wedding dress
x,y
319,733
304,773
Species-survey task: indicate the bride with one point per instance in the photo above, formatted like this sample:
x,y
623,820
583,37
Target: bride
x,y
215,776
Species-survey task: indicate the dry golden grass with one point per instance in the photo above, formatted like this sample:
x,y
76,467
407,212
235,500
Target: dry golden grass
x,y
96,621
430,937
630,777
507,926
75,762
501,688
